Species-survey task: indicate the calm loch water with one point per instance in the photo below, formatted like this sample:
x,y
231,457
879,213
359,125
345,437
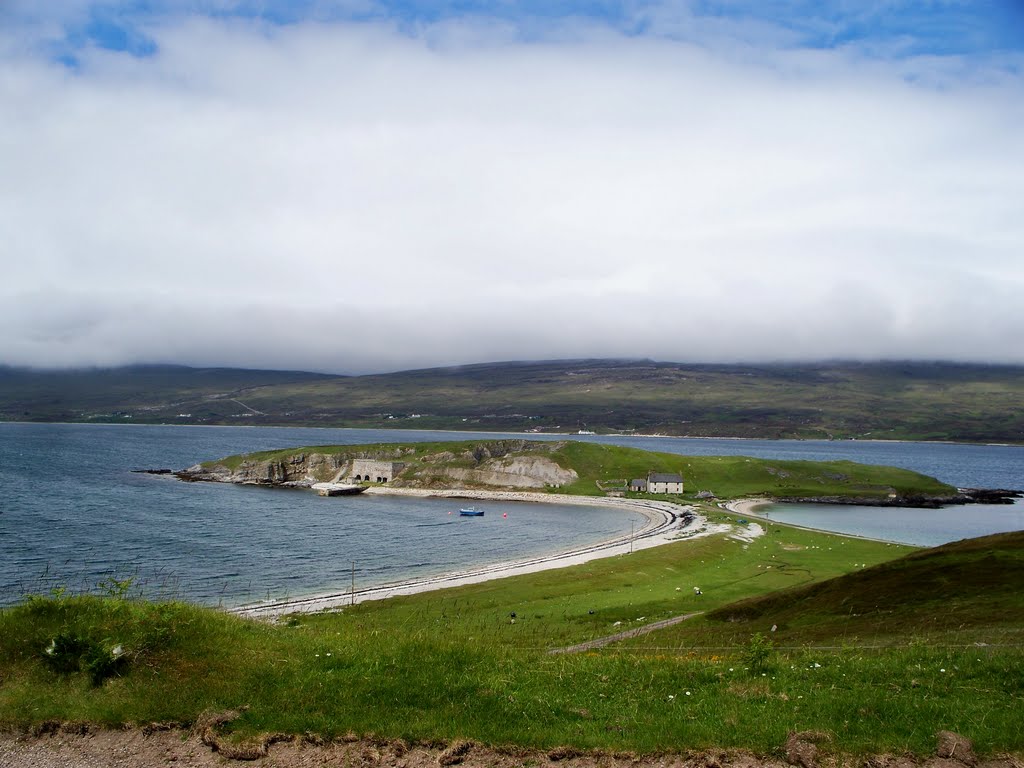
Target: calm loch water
x,y
921,527
72,513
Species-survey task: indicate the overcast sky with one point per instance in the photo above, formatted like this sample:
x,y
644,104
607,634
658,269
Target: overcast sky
x,y
353,186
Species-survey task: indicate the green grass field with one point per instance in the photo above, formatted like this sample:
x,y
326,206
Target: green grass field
x,y
866,658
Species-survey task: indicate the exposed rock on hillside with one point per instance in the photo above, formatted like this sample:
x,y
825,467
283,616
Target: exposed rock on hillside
x,y
300,469
495,464
514,472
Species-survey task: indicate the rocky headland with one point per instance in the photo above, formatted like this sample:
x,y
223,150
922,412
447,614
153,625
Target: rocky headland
x,y
503,464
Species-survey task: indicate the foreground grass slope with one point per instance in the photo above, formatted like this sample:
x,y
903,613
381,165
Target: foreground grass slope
x,y
455,664
908,400
600,465
963,592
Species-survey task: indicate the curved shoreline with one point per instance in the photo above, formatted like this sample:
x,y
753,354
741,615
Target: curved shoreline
x,y
749,507
665,522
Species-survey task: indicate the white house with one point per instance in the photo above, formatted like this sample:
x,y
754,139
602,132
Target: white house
x,y
664,482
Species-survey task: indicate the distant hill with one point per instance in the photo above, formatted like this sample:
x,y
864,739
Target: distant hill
x,y
887,400
143,393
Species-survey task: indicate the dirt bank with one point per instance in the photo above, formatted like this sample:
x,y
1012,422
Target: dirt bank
x,y
83,747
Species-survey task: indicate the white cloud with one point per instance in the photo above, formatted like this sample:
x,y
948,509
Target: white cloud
x,y
345,197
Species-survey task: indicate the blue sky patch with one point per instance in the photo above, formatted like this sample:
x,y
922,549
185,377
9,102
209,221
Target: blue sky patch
x,y
892,28
115,34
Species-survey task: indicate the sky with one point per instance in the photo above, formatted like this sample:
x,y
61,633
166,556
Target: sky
x,y
358,186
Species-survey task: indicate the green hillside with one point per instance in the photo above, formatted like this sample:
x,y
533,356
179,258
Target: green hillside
x,y
950,589
142,393
957,593
891,400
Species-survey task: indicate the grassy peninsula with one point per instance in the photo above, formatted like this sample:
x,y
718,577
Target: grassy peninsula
x,y
583,468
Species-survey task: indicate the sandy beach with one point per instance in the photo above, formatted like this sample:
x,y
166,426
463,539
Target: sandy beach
x,y
664,522
750,508
746,506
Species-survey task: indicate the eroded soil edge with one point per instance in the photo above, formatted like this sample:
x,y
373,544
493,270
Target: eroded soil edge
x,y
54,745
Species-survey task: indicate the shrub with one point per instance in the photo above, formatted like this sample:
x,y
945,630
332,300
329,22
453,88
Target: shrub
x,y
64,653
102,663
759,653
68,653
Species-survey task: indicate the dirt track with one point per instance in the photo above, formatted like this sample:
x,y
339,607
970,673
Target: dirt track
x,y
637,632
79,747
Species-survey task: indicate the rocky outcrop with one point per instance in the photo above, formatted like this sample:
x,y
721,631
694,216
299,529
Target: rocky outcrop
x,y
297,470
989,495
514,472
499,464
962,496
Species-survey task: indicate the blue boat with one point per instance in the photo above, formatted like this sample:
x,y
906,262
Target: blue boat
x,y
471,512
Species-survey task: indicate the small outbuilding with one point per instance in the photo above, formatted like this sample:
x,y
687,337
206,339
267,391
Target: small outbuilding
x,y
374,471
638,486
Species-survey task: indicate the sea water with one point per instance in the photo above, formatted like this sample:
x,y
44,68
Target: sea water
x,y
72,513
919,527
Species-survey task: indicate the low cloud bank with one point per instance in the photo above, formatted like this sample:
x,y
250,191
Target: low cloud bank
x,y
348,197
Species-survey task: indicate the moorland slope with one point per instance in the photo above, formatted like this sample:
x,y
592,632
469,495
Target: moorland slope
x,y
888,400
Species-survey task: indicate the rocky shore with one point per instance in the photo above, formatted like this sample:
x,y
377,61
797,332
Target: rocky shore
x,y
963,496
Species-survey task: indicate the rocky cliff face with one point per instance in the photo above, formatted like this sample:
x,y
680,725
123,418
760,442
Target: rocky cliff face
x,y
297,470
513,472
500,464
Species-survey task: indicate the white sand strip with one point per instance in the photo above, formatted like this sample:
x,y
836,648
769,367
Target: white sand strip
x,y
746,506
664,522
750,508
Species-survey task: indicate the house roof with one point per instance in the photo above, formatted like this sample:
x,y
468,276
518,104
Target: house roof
x,y
664,477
